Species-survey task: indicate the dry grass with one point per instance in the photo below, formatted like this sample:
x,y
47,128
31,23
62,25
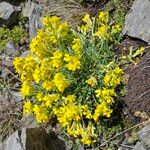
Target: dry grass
x,y
68,10
10,109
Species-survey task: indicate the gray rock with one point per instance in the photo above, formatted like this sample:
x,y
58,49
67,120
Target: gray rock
x,y
144,135
32,139
6,66
139,146
25,54
11,49
26,9
28,122
137,21
17,96
33,11
8,14
15,141
34,19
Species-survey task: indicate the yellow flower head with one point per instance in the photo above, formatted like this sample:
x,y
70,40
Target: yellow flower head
x,y
60,82
76,46
92,81
18,63
57,59
26,89
47,21
73,62
86,18
103,16
27,108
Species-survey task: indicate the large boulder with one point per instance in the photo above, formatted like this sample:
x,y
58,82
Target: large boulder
x,y
8,14
137,21
32,139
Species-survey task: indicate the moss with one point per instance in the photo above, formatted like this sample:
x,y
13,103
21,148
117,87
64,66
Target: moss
x,y
13,35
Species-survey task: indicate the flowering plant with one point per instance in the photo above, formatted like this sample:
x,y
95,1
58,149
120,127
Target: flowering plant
x,y
72,75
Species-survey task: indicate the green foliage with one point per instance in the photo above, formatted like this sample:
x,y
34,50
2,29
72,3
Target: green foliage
x,y
13,35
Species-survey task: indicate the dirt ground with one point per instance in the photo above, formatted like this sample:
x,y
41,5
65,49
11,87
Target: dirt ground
x,y
138,88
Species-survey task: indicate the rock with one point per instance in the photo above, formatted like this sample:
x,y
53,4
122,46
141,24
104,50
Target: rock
x,y
6,66
26,9
17,96
137,21
139,146
144,135
15,142
33,11
7,62
11,49
32,139
25,54
28,122
8,14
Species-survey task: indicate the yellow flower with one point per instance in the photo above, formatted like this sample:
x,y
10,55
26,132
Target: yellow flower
x,y
103,16
27,108
84,28
57,59
76,46
107,79
40,96
102,110
69,99
36,75
86,111
48,85
60,82
116,28
102,31
73,62
140,51
86,18
18,63
26,89
86,140
41,114
92,81
118,71
113,77
98,92
49,99
47,21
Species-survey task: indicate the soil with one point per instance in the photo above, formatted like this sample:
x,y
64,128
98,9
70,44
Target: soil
x,y
138,88
127,42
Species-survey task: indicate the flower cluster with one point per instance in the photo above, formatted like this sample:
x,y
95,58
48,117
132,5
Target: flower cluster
x,y
65,76
104,30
